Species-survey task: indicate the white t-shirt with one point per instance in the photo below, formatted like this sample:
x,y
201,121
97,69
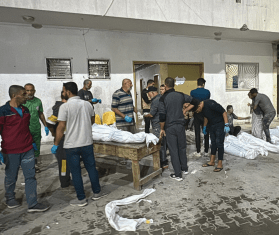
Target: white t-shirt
x,y
77,113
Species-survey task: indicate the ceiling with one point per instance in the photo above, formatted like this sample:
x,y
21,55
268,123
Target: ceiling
x,y
57,19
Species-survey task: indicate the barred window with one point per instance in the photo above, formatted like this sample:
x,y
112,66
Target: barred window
x,y
98,69
242,76
59,68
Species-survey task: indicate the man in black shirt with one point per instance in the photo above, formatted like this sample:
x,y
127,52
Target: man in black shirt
x,y
85,93
172,126
215,117
146,102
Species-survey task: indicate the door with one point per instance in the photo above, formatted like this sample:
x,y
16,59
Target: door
x,y
156,79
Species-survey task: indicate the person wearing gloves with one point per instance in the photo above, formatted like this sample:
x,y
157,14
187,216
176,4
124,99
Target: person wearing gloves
x,y
122,105
78,116
154,115
85,93
215,117
18,149
35,107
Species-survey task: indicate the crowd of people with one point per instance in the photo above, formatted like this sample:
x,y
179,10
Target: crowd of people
x,y
72,118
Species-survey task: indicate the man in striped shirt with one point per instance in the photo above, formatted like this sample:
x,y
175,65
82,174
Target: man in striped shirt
x,y
122,105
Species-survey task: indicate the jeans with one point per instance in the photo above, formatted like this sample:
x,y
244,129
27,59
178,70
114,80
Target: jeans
x,y
73,159
27,162
198,123
267,119
147,121
217,136
176,141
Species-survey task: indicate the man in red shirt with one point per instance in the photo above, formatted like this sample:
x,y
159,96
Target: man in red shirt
x,y
18,149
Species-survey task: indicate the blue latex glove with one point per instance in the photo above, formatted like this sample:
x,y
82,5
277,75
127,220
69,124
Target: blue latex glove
x,y
35,147
47,131
128,119
94,100
100,101
204,130
54,149
1,158
227,128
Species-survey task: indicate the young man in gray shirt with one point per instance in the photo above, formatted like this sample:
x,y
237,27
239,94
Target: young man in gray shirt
x,y
267,108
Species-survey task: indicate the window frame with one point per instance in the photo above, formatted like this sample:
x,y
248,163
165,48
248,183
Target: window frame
x,y
99,78
241,63
60,78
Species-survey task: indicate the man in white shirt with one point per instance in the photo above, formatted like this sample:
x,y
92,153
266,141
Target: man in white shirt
x,y
77,116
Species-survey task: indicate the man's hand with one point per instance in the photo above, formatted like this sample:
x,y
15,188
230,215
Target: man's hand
x,y
94,100
99,101
162,133
1,158
54,149
227,128
128,119
35,147
204,130
249,104
46,130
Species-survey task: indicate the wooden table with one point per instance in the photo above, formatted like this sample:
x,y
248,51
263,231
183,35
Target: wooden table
x,y
134,152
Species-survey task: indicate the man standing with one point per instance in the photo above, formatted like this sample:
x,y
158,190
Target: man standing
x,y
154,115
77,116
35,107
85,93
122,105
172,126
216,118
200,94
267,108
146,102
63,166
17,146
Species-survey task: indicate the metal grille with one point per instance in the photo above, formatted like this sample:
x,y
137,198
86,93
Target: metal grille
x,y
98,69
59,68
243,76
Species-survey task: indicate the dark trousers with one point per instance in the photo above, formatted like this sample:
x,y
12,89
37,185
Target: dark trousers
x,y
198,124
73,158
235,130
63,166
267,119
176,140
27,162
163,151
147,121
217,136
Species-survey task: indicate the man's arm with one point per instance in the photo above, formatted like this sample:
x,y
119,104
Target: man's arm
x,y
117,112
42,118
145,98
135,110
205,121
225,116
92,120
51,129
59,132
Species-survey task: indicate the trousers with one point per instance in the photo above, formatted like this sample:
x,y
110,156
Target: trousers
x,y
147,121
176,140
198,124
217,136
267,119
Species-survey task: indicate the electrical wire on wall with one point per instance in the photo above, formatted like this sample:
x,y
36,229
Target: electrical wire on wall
x,y
108,8
85,42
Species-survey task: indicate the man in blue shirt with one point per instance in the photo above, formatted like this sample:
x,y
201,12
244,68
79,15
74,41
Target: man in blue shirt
x,y
201,94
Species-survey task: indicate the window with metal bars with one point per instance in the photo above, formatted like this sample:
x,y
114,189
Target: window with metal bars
x,y
98,69
59,68
242,76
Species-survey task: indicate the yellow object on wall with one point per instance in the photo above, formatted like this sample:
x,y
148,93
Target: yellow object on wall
x,y
109,118
98,120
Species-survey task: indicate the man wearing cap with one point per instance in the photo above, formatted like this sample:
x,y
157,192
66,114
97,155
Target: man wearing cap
x,y
154,115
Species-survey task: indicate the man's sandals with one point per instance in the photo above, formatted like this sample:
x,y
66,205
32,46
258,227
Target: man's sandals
x,y
217,169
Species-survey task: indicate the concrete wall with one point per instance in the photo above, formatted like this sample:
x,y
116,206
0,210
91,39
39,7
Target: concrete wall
x,y
24,49
257,14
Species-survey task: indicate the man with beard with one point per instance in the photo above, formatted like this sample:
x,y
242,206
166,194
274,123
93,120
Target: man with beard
x,y
77,117
63,166
85,93
18,149
122,105
162,89
35,107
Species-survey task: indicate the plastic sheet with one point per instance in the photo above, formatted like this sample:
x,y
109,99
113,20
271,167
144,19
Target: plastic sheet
x,y
122,224
109,133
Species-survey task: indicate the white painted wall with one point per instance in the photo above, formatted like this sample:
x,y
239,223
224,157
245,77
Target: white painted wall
x,y
24,49
146,74
257,14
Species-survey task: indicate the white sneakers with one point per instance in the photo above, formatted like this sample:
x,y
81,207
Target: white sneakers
x,y
196,154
